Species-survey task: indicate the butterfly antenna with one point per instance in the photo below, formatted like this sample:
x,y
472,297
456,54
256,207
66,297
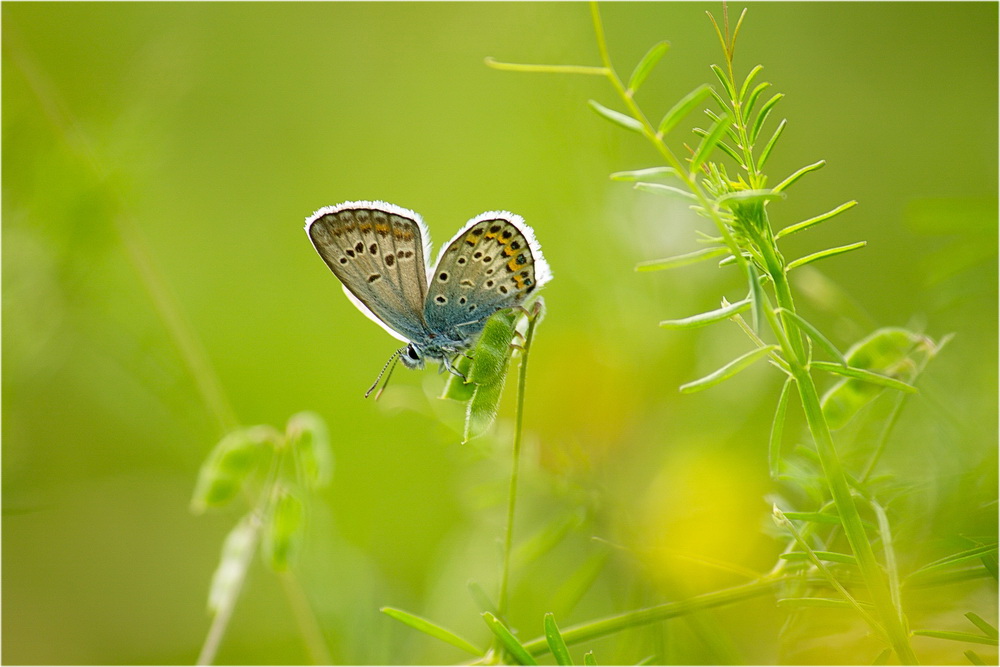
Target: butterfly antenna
x,y
389,365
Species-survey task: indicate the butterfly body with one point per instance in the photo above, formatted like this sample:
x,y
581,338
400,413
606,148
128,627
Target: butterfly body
x,y
380,252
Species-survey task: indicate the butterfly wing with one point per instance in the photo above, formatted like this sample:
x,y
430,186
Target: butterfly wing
x,y
492,263
378,252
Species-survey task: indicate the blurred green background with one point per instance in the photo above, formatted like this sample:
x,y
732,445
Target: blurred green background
x,y
184,143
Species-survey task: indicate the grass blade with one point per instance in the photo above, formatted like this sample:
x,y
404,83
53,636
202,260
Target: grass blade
x,y
831,556
556,643
867,376
960,557
777,426
508,640
617,117
708,142
681,260
799,174
752,100
883,657
818,602
646,66
765,111
815,334
973,658
683,108
748,197
589,660
805,224
957,636
729,370
430,628
823,254
703,319
770,145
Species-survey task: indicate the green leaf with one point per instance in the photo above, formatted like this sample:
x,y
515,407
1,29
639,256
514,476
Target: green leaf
x,y
708,142
982,624
230,464
757,297
823,254
864,375
765,111
617,117
743,197
883,657
729,370
749,80
727,85
752,100
639,174
816,602
681,260
508,640
831,556
646,65
481,598
432,629
555,641
805,224
766,153
284,529
785,184
659,188
703,319
815,334
957,636
974,658
307,437
960,557
685,106
715,118
777,427
455,387
815,517
589,660
237,550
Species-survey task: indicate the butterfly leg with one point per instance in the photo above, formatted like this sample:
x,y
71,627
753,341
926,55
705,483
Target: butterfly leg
x,y
446,365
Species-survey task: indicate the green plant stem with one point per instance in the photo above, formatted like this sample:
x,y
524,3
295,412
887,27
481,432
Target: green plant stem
x,y
515,465
606,626
305,617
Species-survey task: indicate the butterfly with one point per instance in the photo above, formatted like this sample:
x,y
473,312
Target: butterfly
x,y
379,252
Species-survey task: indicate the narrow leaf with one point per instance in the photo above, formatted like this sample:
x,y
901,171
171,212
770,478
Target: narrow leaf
x,y
813,602
815,334
749,80
777,427
683,108
646,65
805,224
726,83
973,658
730,131
862,374
752,100
509,641
555,641
432,629
729,370
617,117
982,624
957,636
823,254
757,296
799,174
960,557
762,160
703,319
765,111
815,517
708,143
831,556
481,598
662,189
883,657
681,260
640,174
589,660
748,197
455,387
